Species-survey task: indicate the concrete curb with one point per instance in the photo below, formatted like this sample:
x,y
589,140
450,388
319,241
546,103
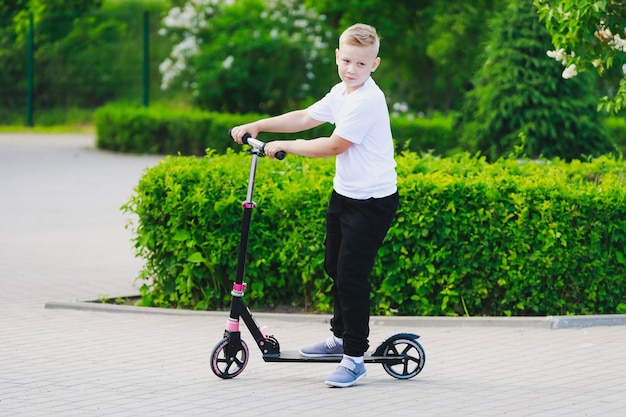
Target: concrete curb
x,y
547,322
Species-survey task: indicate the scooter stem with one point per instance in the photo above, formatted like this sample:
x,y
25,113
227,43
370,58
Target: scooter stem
x,y
248,205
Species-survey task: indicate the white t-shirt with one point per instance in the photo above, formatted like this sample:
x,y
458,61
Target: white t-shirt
x,y
367,168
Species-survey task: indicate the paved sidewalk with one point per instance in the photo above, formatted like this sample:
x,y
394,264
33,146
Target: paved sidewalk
x,y
63,241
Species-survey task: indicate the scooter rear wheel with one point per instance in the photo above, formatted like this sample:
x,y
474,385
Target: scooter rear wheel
x,y
229,358
413,357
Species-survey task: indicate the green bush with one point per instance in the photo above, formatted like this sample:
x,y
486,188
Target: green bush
x,y
188,228
425,135
470,238
160,130
167,131
510,238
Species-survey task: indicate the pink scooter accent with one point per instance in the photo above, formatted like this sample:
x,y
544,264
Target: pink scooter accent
x,y
232,325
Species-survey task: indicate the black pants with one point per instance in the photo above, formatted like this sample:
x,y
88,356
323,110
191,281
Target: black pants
x,y
355,230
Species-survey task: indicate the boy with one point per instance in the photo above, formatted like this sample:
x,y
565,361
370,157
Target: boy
x,y
364,198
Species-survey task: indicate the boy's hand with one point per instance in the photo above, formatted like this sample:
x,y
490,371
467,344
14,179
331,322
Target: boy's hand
x,y
238,132
272,148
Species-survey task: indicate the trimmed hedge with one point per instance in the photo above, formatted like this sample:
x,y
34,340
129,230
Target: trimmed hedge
x,y
470,238
165,131
160,130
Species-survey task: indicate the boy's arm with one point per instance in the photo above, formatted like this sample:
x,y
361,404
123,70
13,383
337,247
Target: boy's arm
x,y
295,121
313,148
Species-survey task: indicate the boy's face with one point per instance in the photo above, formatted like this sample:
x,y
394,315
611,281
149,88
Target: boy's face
x,y
355,64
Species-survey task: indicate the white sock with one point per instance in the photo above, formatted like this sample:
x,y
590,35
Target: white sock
x,y
338,340
355,359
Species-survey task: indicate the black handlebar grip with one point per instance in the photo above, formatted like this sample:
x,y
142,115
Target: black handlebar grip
x,y
280,155
244,139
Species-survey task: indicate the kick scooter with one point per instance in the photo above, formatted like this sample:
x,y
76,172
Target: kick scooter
x,y
401,355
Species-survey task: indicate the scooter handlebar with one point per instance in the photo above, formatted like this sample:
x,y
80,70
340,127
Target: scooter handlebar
x,y
257,144
245,138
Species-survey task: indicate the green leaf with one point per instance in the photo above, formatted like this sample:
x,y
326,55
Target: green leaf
x,y
196,257
181,235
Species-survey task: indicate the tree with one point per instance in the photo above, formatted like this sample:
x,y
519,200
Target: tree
x,y
72,53
406,72
589,34
522,100
455,26
429,49
12,61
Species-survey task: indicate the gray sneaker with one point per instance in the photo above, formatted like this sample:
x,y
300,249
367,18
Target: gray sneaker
x,y
347,374
326,348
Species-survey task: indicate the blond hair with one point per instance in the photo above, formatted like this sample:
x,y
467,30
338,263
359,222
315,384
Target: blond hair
x,y
361,35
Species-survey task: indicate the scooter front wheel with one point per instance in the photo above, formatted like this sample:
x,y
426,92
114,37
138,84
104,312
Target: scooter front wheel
x,y
412,354
229,358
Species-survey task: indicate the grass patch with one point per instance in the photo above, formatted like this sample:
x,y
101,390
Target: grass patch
x,y
48,129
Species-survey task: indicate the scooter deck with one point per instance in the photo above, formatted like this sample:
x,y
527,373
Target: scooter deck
x,y
295,356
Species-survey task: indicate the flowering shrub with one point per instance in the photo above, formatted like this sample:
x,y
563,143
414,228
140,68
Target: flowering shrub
x,y
248,55
589,35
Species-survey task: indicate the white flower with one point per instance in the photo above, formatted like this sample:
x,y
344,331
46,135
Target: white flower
x,y
165,65
558,55
570,71
618,43
188,47
624,69
604,34
228,62
300,23
401,107
169,71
